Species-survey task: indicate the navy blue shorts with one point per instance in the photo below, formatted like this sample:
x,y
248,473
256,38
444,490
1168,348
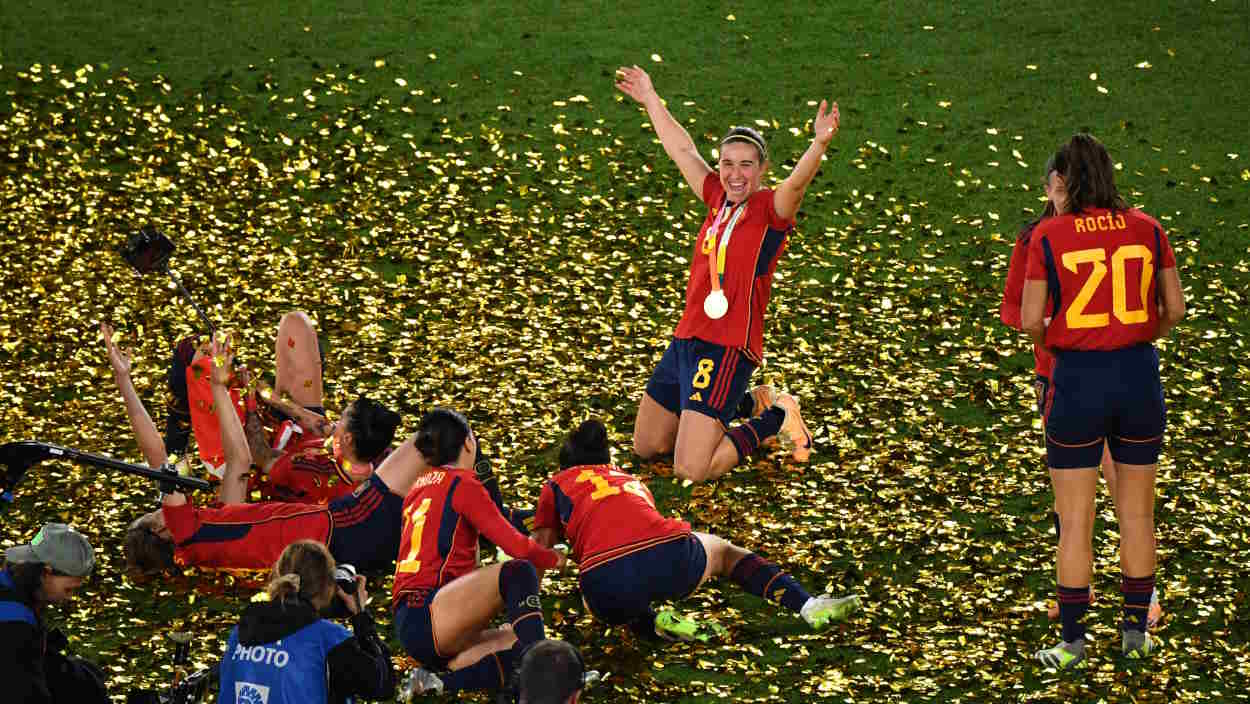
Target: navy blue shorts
x,y
621,590
1096,395
415,631
702,377
365,526
1041,387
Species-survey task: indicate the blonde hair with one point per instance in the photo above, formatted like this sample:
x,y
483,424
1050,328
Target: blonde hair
x,y
306,570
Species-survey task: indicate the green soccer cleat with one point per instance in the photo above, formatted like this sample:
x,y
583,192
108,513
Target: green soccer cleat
x,y
674,627
823,611
1136,645
1064,656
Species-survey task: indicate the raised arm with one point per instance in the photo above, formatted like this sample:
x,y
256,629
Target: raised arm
x,y
149,438
635,83
233,440
789,194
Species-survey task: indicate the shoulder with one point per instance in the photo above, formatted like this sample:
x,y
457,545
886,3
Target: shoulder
x,y
1027,231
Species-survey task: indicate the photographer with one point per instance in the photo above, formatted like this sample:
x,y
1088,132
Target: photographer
x,y
46,571
283,651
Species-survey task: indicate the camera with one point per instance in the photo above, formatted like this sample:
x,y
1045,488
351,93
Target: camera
x,y
147,250
191,690
345,578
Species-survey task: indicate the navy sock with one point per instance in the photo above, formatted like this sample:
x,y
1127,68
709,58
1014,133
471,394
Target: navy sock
x,y
178,422
1073,603
1055,516
747,436
518,585
492,672
1136,591
486,475
766,580
745,406
521,518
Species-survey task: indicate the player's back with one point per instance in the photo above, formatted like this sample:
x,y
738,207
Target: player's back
x,y
435,546
606,513
1102,269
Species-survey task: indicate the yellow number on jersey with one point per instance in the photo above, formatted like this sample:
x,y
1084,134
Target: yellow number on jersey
x,y
1076,316
703,376
417,519
602,487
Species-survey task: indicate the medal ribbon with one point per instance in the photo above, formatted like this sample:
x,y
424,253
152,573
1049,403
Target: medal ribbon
x,y
716,255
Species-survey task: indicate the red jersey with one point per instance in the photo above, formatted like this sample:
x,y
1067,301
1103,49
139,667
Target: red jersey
x,y
1102,272
443,513
306,472
604,513
1013,292
756,242
242,536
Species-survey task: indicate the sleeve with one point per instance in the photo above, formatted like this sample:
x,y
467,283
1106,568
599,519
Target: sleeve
x,y
1167,258
361,665
22,664
182,520
473,502
775,221
545,516
1035,269
1013,290
713,191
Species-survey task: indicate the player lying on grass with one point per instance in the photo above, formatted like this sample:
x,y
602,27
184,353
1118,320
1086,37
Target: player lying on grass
x,y
1043,363
443,601
308,459
629,556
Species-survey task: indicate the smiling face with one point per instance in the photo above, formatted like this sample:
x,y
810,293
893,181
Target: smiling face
x,y
741,170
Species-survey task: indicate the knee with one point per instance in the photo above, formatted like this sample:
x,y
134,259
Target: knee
x,y
296,317
646,446
695,472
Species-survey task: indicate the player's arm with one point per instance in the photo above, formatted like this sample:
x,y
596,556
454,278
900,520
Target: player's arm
x,y
233,488
1013,289
634,82
472,502
1032,310
546,521
402,467
789,194
1172,303
149,438
314,423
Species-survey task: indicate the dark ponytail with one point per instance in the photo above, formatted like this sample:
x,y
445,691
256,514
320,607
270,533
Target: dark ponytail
x,y
440,436
1088,175
372,427
586,445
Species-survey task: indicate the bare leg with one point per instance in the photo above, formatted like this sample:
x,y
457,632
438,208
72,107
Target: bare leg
x,y
655,428
722,556
1074,500
297,358
1109,473
1136,503
703,450
462,609
489,641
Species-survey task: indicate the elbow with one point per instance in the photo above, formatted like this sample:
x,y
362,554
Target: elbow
x,y
1033,326
1176,313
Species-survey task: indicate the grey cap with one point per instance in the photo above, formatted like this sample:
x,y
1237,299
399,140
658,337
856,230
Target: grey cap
x,y
58,546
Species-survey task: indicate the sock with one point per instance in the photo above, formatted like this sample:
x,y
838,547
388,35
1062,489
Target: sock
x,y
766,580
1136,591
486,475
521,518
644,627
1073,603
518,585
1055,516
745,406
747,436
492,672
178,422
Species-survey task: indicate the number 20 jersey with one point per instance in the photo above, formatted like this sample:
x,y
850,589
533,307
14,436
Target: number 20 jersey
x,y
604,513
1101,268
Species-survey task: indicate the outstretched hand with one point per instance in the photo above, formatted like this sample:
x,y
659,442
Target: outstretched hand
x,y
826,123
634,82
118,359
222,359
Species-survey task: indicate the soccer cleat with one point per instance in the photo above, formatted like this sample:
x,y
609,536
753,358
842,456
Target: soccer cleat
x,y
1064,656
1155,614
794,427
1052,612
823,611
421,681
1136,645
674,627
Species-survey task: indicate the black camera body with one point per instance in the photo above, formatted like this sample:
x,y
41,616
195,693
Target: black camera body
x,y
345,578
147,250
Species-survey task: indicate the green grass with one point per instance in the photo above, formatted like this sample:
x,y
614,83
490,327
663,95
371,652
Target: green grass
x,y
518,251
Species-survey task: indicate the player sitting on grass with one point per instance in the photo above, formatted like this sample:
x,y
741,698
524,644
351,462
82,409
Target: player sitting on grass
x,y
629,556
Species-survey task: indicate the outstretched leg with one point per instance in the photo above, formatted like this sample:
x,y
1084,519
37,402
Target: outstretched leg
x,y
297,360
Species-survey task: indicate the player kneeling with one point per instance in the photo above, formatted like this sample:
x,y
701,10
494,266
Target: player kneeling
x,y
629,556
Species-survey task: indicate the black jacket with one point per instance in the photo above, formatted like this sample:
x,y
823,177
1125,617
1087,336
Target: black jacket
x,y
23,643
359,666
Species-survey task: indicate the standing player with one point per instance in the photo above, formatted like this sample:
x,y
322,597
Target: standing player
x,y
1107,275
629,556
1009,313
442,600
700,383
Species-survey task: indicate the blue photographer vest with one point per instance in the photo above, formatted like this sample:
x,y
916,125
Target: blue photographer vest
x,y
292,670
11,610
